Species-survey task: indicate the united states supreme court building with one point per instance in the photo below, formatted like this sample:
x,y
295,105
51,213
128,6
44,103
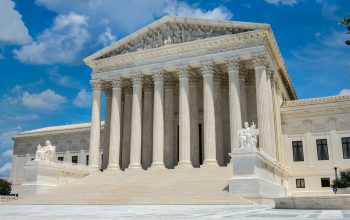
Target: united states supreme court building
x,y
177,95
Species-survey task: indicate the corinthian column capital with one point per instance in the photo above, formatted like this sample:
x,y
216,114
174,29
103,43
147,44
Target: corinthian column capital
x,y
96,85
260,60
232,63
207,68
136,79
182,71
116,83
158,76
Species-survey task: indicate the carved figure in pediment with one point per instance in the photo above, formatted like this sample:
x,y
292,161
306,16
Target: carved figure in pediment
x,y
158,42
148,42
177,35
139,44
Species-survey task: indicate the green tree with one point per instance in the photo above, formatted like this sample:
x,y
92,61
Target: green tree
x,y
344,180
346,22
5,187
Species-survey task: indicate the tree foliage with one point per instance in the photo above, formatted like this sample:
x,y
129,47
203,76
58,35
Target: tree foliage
x,y
346,22
344,180
5,187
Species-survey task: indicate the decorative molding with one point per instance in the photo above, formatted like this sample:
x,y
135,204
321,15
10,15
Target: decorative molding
x,y
136,79
260,60
313,101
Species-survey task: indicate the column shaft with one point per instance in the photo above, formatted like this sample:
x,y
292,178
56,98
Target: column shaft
x,y
115,127
107,125
135,145
147,124
194,120
220,152
125,158
184,119
158,121
95,125
262,107
235,105
169,147
209,116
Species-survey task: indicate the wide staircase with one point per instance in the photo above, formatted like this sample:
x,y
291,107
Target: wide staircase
x,y
205,185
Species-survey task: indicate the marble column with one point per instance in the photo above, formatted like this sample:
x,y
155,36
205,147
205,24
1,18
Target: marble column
x,y
136,123
278,127
184,119
147,123
234,101
115,127
271,107
220,152
262,103
125,157
225,111
158,120
209,115
107,125
169,147
194,81
242,93
95,124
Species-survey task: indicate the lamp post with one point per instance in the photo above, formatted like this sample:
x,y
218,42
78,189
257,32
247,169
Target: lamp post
x,y
336,173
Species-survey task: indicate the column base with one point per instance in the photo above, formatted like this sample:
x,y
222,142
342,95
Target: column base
x,y
158,165
113,167
184,164
134,166
210,162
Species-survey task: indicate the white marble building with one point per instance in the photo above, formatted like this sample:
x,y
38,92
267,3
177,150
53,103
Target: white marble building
x,y
177,92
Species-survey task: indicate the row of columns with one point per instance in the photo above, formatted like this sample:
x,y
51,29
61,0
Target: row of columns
x,y
186,119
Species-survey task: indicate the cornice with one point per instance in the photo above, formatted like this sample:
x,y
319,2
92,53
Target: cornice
x,y
313,101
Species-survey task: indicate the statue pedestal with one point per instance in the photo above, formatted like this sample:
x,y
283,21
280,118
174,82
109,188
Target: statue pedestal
x,y
43,176
256,174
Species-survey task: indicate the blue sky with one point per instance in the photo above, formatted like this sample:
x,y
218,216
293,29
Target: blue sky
x,y
42,42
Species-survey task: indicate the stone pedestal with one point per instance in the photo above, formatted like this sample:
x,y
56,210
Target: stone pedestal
x,y
256,174
43,176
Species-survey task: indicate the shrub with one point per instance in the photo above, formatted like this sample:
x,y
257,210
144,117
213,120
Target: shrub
x,y
5,187
343,181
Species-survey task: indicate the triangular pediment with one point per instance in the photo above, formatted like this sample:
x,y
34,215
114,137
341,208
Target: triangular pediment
x,y
171,30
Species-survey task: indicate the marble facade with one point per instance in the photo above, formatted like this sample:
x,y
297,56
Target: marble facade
x,y
177,93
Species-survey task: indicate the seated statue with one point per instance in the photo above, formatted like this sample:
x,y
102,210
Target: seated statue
x,y
248,136
45,153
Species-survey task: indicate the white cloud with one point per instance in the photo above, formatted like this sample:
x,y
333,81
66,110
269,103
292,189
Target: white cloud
x,y
83,99
124,16
106,37
344,92
2,56
5,136
179,8
25,117
62,80
5,168
13,30
328,9
61,43
46,100
7,153
282,2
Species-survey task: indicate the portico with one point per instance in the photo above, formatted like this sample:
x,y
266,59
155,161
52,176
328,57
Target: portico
x,y
180,101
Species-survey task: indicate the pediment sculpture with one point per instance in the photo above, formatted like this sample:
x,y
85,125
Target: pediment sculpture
x,y
248,136
46,152
172,33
